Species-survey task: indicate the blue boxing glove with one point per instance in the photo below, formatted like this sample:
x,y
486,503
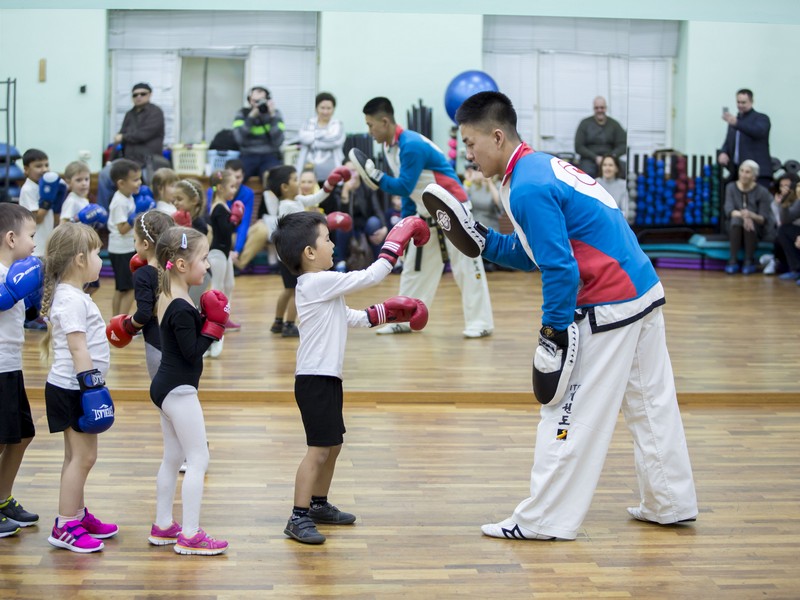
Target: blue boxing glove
x,y
25,277
96,403
143,201
52,192
93,214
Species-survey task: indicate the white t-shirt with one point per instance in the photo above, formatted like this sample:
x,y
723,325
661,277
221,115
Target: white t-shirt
x,y
119,209
324,317
72,311
12,334
166,207
29,198
72,206
300,203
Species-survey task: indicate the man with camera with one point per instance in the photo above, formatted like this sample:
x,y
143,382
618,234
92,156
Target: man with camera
x,y
258,130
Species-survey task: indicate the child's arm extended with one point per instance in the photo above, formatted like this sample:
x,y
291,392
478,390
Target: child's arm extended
x,y
313,199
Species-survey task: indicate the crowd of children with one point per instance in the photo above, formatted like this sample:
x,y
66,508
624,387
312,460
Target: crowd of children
x,y
160,253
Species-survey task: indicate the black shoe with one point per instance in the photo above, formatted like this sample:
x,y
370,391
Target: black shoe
x,y
330,515
304,530
277,326
290,330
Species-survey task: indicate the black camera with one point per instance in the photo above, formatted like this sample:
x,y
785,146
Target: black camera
x,y
263,108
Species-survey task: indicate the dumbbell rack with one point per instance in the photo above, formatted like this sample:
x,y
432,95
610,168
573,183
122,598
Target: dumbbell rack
x,y
676,191
9,110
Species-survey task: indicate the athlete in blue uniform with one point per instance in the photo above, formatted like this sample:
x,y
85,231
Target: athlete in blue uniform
x,y
602,344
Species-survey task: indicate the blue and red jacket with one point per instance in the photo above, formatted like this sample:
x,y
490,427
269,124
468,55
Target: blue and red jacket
x,y
418,162
570,228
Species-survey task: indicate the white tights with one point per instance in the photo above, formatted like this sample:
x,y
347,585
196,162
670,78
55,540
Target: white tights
x,y
184,431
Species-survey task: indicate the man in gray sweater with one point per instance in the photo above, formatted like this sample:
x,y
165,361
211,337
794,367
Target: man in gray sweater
x,y
597,136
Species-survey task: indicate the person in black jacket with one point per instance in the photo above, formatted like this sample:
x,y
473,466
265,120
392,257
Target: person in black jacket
x,y
747,138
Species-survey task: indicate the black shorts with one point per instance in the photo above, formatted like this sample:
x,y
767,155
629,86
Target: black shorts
x,y
289,280
16,420
63,407
94,284
320,400
121,264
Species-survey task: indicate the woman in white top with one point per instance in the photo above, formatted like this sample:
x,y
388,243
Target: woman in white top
x,y
322,139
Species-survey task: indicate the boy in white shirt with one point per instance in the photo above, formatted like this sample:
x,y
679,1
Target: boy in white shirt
x,y
303,242
19,274
35,164
127,176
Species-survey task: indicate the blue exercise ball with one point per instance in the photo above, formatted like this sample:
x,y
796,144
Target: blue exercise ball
x,y
463,86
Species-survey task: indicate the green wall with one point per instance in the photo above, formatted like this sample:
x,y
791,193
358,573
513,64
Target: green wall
x,y
408,51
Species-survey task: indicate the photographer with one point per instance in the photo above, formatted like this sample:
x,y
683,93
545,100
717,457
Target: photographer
x,y
258,130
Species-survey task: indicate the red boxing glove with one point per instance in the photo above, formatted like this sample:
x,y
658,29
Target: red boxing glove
x,y
399,309
339,221
336,176
397,239
182,218
120,331
136,263
237,212
215,308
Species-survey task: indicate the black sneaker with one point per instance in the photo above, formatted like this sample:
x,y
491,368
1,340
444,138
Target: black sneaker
x,y
290,330
330,515
7,527
304,530
277,326
15,513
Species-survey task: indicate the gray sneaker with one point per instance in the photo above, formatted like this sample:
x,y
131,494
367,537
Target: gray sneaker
x,y
304,530
330,515
7,527
16,514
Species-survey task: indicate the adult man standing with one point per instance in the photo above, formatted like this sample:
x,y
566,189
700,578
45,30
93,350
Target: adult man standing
x,y
747,138
602,344
417,162
258,129
141,139
597,136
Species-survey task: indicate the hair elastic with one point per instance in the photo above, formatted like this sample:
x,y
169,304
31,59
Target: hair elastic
x,y
144,228
169,265
184,243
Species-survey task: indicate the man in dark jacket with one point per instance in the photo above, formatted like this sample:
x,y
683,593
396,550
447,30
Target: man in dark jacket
x,y
142,131
258,130
747,138
140,139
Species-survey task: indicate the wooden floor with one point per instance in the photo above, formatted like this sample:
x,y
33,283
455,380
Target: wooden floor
x,y
729,337
440,440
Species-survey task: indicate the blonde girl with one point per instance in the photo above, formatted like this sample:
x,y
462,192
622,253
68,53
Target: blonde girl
x,y
163,184
188,198
147,228
186,334
80,357
223,221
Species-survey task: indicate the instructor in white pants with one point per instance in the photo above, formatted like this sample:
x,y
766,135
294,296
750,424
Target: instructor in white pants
x,y
602,344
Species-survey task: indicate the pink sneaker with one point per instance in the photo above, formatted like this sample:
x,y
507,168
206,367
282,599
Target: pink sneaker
x,y
96,528
164,537
200,543
74,537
